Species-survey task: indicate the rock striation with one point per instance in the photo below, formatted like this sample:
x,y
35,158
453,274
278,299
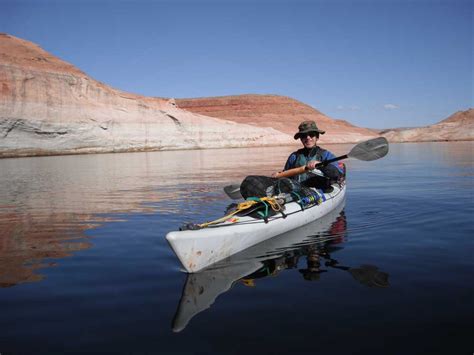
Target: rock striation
x,y
457,127
279,112
48,106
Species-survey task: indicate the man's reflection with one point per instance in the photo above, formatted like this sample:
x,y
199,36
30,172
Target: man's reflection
x,y
318,260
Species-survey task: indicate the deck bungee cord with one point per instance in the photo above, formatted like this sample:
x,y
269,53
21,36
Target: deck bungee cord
x,y
275,203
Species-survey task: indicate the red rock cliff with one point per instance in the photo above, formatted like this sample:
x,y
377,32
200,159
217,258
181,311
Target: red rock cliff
x,y
279,112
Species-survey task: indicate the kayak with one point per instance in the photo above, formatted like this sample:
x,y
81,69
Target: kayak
x,y
201,248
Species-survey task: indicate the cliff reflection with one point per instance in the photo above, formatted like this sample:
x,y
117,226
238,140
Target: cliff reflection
x,y
48,203
309,250
26,244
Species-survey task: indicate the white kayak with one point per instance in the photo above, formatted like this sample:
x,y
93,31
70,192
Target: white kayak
x,y
198,249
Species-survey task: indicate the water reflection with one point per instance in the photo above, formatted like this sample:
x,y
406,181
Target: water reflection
x,y
48,203
27,243
308,249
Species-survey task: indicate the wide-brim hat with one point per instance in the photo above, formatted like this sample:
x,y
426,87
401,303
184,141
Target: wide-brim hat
x,y
307,127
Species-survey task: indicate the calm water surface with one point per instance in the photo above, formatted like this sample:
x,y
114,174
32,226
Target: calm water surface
x,y
84,266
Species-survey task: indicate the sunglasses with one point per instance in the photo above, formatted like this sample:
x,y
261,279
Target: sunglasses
x,y
311,134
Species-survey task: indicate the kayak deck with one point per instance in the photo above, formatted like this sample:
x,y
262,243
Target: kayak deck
x,y
198,249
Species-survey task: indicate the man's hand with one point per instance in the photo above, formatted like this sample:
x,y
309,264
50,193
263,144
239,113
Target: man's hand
x,y
312,164
275,175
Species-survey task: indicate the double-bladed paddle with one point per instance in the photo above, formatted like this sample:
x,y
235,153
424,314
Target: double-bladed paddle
x,y
372,149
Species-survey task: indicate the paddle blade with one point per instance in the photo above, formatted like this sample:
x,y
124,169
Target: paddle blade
x,y
233,191
372,149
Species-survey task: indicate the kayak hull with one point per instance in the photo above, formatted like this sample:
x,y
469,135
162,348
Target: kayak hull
x,y
198,249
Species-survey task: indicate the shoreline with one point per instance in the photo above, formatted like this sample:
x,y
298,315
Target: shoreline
x,y
119,151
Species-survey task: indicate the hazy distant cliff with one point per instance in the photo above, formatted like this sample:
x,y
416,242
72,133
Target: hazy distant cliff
x,y
457,127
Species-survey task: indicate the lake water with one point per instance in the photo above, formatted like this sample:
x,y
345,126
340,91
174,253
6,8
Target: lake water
x,y
85,267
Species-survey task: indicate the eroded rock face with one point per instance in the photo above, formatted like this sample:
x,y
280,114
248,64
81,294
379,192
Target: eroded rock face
x,y
457,127
279,112
48,106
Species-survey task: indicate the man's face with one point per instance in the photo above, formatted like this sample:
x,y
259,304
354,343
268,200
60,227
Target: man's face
x,y
309,139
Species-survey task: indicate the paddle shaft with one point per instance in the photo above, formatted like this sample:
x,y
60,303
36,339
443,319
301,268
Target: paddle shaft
x,y
302,169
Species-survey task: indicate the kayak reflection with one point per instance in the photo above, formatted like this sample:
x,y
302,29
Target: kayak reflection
x,y
308,248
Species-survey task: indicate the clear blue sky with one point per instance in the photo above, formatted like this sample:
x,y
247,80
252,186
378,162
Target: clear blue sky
x,y
379,63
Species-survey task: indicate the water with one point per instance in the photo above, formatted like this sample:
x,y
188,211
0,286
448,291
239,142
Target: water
x,y
84,266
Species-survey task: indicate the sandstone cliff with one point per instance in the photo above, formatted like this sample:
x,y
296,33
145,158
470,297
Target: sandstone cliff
x,y
279,112
457,127
48,106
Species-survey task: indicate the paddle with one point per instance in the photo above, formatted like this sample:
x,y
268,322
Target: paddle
x,y
233,191
372,149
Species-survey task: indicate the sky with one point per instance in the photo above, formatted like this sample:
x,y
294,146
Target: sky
x,y
376,64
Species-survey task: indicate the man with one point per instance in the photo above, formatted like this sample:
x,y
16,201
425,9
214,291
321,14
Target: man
x,y
310,155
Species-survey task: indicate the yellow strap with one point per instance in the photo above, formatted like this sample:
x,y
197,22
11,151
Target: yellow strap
x,y
274,204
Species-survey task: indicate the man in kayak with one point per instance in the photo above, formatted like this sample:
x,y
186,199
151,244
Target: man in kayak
x,y
310,155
